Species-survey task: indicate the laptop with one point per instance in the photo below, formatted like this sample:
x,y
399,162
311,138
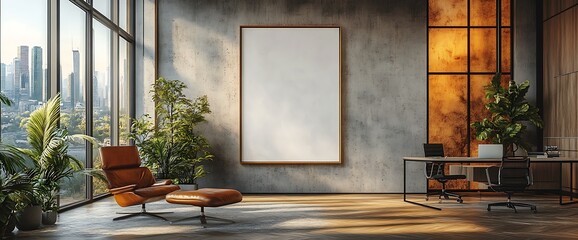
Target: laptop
x,y
490,150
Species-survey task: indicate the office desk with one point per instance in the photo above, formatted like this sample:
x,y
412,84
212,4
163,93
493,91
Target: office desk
x,y
461,160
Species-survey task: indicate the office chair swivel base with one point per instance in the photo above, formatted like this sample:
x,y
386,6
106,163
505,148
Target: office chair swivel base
x,y
203,218
446,196
143,212
512,205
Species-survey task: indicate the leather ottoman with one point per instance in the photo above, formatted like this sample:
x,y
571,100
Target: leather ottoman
x,y
205,197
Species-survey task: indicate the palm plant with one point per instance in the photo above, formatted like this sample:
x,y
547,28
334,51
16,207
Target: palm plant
x,y
13,183
49,150
510,110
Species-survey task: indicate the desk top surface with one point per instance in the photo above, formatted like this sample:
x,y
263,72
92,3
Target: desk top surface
x,y
474,159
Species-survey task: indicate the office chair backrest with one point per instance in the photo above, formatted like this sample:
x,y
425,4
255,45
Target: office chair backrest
x,y
433,150
515,172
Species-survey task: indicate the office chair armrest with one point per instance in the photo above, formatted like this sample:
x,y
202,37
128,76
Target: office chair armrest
x,y
490,170
122,189
164,182
430,174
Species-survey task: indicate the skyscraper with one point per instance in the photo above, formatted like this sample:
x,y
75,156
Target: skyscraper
x,y
9,81
75,85
24,71
95,91
71,88
36,74
16,81
2,76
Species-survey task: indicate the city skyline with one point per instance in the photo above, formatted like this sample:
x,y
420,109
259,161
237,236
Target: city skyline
x,y
31,83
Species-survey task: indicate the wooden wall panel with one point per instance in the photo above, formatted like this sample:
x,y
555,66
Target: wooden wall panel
x,y
567,41
551,7
575,10
560,92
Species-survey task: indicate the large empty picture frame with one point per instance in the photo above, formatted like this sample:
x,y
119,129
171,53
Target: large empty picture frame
x,y
290,95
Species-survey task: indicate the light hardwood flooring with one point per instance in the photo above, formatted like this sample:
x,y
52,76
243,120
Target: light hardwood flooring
x,y
326,216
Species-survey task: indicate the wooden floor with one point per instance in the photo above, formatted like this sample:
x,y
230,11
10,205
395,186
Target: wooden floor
x,y
326,216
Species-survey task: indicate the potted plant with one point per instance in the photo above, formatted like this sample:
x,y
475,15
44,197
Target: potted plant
x,y
172,148
13,182
509,112
28,210
13,185
49,152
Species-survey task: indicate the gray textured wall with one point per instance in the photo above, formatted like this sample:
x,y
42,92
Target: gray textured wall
x,y
384,86
384,89
525,50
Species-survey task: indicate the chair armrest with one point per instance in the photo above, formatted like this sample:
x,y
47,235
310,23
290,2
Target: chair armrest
x,y
164,182
489,171
122,189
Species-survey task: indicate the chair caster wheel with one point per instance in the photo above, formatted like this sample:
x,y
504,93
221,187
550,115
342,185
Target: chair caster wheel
x,y
459,200
427,198
534,210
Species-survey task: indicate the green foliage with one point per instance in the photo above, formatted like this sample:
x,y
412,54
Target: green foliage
x,y
13,183
5,100
13,187
49,151
510,110
172,148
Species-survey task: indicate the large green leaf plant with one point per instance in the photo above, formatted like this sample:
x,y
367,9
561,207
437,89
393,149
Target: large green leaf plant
x,y
172,147
510,113
49,151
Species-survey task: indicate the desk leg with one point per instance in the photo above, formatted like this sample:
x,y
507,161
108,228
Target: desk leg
x,y
405,191
561,192
571,185
404,181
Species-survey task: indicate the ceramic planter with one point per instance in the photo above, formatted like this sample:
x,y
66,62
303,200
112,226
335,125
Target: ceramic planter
x,y
49,218
30,218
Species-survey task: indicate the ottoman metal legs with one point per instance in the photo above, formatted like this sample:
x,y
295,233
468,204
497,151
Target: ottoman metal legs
x,y
204,218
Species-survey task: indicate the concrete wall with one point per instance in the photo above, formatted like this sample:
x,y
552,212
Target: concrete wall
x,y
144,55
384,90
525,50
384,85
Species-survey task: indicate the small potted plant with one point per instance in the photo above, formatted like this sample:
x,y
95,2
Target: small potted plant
x,y
13,186
510,111
13,182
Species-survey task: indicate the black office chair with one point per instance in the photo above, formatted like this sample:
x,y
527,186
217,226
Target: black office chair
x,y
514,175
436,171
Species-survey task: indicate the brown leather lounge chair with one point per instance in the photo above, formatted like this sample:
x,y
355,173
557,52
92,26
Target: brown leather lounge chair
x,y
130,183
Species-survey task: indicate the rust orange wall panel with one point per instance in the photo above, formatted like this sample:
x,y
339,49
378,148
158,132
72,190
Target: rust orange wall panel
x,y
447,112
448,50
448,12
483,50
483,13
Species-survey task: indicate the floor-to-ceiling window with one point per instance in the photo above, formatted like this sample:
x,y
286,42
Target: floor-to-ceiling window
x,y
93,42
